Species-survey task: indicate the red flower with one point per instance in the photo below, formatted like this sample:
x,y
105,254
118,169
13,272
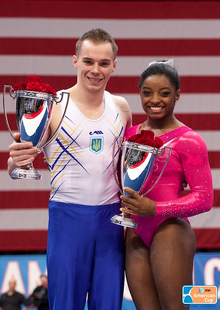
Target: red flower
x,y
158,142
147,133
34,83
146,137
134,137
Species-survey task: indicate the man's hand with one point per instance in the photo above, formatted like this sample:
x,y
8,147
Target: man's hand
x,y
22,153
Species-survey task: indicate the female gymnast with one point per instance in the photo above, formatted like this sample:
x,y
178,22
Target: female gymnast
x,y
160,252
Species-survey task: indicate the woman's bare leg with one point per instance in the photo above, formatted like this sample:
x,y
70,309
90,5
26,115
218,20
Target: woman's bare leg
x,y
171,255
139,275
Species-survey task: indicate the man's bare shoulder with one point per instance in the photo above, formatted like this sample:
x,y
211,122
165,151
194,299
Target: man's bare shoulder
x,y
121,102
124,110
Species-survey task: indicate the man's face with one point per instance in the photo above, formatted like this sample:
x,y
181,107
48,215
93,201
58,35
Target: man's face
x,y
12,285
94,65
44,281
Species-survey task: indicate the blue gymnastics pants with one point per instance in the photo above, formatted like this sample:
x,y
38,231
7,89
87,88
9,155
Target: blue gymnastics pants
x,y
85,254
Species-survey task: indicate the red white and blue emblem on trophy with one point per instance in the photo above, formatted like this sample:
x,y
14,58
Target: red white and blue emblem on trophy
x,y
136,165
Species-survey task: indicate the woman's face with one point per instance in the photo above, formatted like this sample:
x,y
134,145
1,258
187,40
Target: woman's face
x,y
158,97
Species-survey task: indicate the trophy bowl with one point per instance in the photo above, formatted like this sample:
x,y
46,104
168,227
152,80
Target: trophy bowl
x,y
33,115
136,165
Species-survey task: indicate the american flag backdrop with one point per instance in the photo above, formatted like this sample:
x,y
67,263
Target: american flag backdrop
x,y
38,38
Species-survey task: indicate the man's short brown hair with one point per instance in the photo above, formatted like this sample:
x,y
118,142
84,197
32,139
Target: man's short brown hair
x,y
97,35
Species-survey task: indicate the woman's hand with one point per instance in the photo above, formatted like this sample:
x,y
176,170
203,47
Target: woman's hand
x,y
136,204
184,185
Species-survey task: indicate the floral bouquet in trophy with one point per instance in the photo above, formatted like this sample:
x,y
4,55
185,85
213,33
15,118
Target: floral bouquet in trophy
x,y
34,103
136,165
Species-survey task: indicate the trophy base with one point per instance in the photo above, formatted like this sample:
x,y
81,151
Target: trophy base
x,y
29,174
123,221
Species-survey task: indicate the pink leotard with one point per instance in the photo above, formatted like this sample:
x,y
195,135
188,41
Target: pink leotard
x,y
188,161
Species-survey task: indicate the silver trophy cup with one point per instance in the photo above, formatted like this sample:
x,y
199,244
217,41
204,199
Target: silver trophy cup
x,y
135,167
33,115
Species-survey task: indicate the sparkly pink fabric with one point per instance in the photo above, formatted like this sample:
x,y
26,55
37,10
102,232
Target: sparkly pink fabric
x,y
188,161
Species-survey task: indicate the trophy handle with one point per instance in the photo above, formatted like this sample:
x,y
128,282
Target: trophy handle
x,y
160,155
4,108
64,112
118,145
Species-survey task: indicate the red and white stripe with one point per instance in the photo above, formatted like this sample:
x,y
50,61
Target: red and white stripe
x,y
38,38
